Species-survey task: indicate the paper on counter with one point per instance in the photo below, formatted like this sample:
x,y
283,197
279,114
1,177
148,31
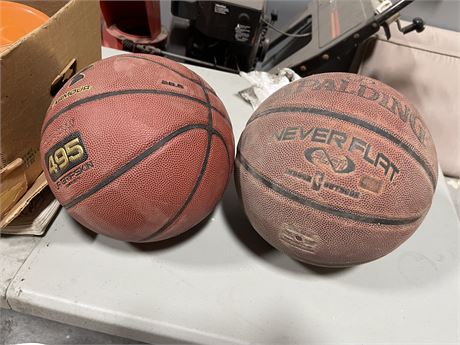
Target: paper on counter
x,y
35,217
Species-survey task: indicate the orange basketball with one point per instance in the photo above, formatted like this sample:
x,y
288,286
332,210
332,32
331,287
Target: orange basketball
x,y
336,169
137,147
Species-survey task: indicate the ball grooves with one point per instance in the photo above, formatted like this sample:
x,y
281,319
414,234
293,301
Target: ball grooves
x,y
124,92
132,163
300,199
210,130
357,122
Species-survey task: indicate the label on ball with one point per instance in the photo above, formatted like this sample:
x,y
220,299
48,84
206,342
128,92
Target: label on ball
x,y
171,83
337,153
65,155
304,241
338,164
71,93
318,182
337,140
364,88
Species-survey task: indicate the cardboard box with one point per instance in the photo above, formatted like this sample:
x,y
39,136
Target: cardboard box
x,y
32,70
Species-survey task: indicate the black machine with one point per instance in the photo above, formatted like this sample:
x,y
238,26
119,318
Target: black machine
x,y
227,33
232,35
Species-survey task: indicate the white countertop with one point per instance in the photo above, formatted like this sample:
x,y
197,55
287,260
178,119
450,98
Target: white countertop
x,y
221,283
13,252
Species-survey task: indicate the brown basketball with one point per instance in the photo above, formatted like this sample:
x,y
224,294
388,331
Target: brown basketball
x,y
137,147
336,169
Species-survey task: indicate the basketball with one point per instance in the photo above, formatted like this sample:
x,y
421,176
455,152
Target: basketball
x,y
137,147
336,169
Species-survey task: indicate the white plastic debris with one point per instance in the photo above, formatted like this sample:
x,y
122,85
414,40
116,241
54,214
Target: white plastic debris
x,y
264,84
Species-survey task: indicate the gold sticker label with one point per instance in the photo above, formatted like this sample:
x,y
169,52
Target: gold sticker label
x,y
65,155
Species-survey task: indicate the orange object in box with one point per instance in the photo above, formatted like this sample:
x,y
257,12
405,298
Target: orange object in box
x,y
16,21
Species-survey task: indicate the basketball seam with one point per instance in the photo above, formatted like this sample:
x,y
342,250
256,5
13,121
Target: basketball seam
x,y
220,136
303,200
204,165
108,94
197,82
363,124
132,163
138,160
322,111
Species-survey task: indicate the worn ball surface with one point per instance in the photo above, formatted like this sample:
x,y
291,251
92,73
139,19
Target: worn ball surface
x,y
137,147
336,169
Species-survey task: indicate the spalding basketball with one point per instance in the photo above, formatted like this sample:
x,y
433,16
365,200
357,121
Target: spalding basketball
x,y
336,169
137,147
